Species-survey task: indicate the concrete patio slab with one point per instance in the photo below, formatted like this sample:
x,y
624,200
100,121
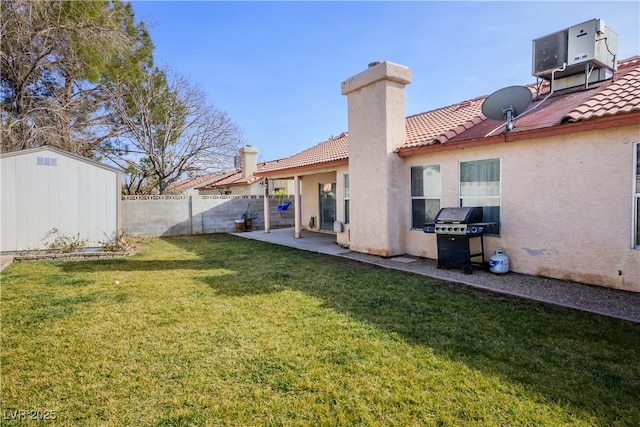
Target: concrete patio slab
x,y
324,243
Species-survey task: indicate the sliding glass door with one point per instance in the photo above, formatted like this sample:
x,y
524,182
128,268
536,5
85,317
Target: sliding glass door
x,y
327,205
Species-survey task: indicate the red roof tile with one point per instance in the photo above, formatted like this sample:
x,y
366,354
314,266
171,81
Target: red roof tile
x,y
601,99
235,178
464,121
336,148
185,184
621,96
438,126
231,179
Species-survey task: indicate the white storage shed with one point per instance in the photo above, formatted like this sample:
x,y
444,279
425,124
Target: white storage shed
x,y
48,192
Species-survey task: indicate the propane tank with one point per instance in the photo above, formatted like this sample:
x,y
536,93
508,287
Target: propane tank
x,y
499,262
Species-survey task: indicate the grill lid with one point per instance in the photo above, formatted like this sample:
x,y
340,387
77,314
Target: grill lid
x,y
465,215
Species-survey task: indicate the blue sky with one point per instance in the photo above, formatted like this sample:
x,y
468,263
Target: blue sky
x,y
276,67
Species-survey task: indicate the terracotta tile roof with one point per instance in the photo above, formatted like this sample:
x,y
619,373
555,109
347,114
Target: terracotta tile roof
x,y
438,126
180,186
235,178
464,121
336,148
607,98
231,179
622,96
540,114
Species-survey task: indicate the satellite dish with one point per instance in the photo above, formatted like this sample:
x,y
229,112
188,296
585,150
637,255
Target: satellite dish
x,y
506,104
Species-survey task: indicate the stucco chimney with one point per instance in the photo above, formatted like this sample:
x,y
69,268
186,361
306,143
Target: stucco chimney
x,y
248,160
377,127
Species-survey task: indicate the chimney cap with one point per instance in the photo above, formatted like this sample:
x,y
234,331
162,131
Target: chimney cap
x,y
383,71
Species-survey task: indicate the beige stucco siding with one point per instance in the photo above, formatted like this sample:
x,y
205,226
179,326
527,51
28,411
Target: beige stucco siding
x,y
566,205
376,110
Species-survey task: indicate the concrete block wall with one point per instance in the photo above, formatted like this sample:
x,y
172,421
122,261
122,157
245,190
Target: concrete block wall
x,y
186,215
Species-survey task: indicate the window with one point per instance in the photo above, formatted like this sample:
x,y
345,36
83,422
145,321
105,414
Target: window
x,y
347,197
480,186
426,190
47,161
636,199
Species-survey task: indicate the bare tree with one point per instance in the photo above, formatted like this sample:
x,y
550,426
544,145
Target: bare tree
x,y
138,181
55,59
170,129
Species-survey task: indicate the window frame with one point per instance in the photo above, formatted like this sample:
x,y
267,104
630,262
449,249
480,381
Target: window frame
x,y
347,197
489,231
425,197
635,198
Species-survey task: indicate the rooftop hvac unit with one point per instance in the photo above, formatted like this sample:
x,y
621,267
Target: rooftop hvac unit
x,y
590,43
549,53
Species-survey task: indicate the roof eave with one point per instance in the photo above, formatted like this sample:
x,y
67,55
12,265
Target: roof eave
x,y
302,170
62,152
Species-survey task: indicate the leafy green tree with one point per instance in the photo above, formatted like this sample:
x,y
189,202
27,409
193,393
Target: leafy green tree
x,y
57,60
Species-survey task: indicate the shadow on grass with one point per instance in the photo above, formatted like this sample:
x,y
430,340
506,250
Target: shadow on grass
x,y
566,357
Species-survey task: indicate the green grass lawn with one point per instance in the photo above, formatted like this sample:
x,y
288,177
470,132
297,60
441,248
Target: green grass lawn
x,y
220,330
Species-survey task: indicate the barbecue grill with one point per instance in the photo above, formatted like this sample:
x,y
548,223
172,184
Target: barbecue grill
x,y
455,228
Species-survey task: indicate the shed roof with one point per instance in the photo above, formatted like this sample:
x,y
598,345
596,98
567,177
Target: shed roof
x,y
60,152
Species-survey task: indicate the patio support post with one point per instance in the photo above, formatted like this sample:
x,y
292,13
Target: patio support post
x,y
267,223
298,208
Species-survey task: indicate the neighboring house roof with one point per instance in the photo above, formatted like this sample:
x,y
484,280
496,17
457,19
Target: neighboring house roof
x,y
61,152
464,122
198,181
231,179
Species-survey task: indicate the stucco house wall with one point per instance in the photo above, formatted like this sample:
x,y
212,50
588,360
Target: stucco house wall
x,y
47,192
567,175
556,199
